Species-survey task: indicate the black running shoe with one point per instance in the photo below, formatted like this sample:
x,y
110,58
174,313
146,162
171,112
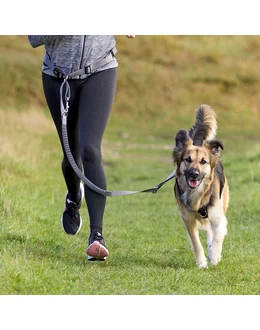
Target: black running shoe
x,y
97,249
71,220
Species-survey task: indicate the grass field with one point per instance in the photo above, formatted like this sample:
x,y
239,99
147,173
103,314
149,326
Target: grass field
x,y
162,79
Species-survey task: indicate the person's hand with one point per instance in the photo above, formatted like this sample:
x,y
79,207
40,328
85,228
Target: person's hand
x,y
130,36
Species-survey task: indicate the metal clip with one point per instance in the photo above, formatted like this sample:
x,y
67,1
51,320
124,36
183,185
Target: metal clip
x,y
64,110
67,93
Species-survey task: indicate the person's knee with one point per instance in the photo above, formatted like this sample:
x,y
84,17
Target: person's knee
x,y
91,154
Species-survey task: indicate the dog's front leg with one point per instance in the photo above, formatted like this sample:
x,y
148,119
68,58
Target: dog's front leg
x,y
192,228
219,230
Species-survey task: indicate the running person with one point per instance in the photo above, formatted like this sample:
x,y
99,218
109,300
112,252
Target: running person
x,y
90,104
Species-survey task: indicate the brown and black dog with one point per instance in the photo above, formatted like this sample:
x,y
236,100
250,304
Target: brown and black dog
x,y
201,188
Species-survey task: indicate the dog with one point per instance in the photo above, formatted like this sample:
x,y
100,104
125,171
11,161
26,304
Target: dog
x,y
201,188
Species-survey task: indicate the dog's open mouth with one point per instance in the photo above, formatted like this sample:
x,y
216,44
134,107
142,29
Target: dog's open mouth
x,y
193,183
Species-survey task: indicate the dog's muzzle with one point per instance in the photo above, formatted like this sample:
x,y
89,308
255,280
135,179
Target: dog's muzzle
x,y
193,178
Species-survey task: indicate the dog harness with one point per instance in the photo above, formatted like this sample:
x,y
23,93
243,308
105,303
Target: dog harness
x,y
203,211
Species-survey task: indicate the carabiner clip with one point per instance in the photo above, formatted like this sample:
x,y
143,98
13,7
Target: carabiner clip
x,y
64,111
67,93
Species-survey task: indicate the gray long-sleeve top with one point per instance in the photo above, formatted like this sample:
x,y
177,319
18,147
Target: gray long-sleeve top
x,y
70,53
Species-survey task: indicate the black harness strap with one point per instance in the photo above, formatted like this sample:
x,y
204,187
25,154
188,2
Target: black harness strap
x,y
203,211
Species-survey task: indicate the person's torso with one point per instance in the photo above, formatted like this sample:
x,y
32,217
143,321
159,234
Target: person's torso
x,y
70,53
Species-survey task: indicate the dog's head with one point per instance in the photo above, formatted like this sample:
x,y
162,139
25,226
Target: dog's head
x,y
195,163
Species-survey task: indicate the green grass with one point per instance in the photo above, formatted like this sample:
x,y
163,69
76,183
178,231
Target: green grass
x,y
162,79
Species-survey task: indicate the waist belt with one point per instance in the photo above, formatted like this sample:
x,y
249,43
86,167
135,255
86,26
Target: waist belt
x,y
86,70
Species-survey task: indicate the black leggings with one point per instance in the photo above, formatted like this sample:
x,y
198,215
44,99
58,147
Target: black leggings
x,y
89,109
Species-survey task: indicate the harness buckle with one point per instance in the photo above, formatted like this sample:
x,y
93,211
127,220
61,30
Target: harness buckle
x,y
57,73
203,212
88,69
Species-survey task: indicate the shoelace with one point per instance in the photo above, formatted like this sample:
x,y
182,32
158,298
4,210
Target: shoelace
x,y
72,207
96,236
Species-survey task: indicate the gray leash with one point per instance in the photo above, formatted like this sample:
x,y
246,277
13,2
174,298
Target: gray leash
x,y
91,185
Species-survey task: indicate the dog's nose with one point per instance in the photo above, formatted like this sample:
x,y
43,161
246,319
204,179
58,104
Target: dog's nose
x,y
194,173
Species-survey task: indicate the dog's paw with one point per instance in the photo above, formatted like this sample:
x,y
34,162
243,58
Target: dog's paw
x,y
215,260
214,257
202,264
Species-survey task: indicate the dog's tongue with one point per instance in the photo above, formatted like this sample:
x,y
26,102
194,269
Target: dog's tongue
x,y
193,183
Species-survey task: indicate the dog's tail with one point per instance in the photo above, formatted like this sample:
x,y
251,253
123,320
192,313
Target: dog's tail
x,y
205,127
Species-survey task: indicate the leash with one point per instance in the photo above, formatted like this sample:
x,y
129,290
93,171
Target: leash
x,y
64,113
90,184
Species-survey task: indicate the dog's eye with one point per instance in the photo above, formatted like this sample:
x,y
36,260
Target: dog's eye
x,y
203,161
188,159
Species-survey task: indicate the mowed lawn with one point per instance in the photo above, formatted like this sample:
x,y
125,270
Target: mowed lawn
x,y
149,249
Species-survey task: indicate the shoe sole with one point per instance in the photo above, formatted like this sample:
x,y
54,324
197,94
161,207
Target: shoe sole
x,y
82,196
97,251
94,259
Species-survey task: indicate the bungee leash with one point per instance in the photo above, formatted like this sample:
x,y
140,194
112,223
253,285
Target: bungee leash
x,y
90,184
64,113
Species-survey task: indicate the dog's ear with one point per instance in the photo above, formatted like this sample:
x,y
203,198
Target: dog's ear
x,y
182,140
214,146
